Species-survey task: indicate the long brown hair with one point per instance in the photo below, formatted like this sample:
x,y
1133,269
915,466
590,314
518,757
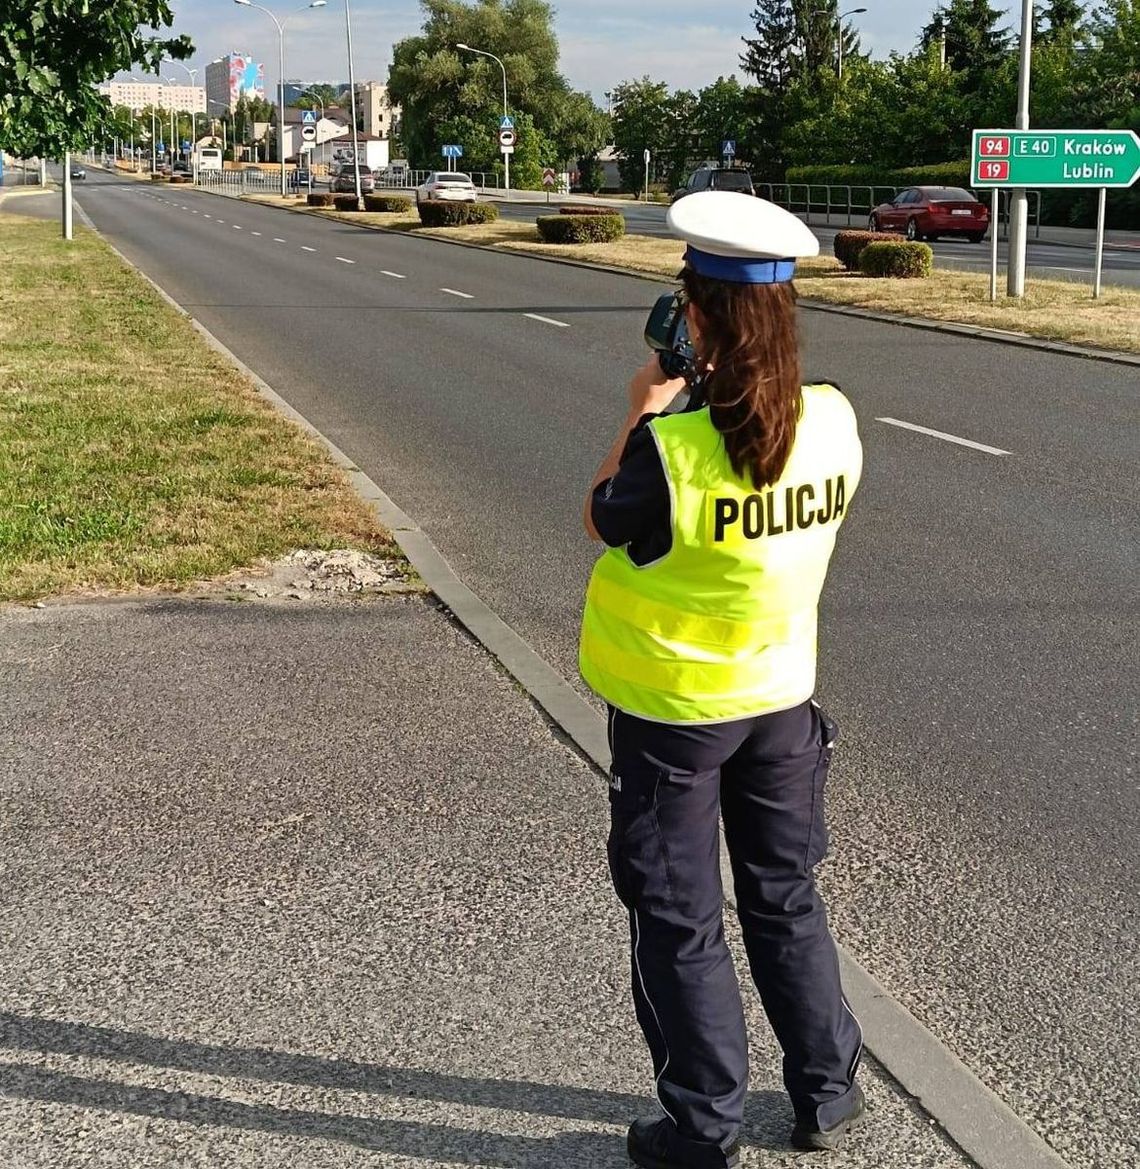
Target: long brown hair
x,y
748,337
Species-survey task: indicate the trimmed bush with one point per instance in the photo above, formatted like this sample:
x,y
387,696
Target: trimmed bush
x,y
899,259
392,204
320,199
939,174
849,245
580,229
457,214
585,209
345,203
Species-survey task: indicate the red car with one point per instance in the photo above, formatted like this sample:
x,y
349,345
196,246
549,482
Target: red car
x,y
928,212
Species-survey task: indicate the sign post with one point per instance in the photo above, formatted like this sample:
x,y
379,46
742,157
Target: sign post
x,y
507,140
995,215
451,153
1055,158
728,150
646,157
549,178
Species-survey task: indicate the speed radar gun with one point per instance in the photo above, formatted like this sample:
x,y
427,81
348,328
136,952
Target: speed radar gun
x,y
667,333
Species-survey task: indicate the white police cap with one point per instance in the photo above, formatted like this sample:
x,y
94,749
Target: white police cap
x,y
740,238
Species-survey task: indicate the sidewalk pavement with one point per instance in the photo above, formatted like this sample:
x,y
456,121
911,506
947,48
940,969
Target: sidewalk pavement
x,y
311,884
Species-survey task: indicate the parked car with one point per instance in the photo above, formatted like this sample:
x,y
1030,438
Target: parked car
x,y
181,168
447,187
928,212
719,178
303,177
345,181
77,172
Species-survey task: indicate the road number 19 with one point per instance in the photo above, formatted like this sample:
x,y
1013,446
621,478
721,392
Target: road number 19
x,y
995,147
993,172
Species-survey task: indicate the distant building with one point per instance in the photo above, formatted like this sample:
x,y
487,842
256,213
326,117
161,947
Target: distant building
x,y
137,95
231,78
375,115
295,88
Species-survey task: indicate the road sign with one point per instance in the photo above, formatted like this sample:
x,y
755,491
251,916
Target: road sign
x,y
453,152
506,122
549,178
1055,158
506,150
507,137
728,148
308,132
308,117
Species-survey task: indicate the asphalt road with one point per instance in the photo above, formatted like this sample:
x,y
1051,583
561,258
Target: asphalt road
x,y
1053,261
978,642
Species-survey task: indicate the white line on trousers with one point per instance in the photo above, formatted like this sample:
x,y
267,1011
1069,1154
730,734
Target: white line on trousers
x,y
977,446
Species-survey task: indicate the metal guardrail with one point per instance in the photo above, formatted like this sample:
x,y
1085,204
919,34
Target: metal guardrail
x,y
856,200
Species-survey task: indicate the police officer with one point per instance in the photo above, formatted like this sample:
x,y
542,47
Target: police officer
x,y
699,632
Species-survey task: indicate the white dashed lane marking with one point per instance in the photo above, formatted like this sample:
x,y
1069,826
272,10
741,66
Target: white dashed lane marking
x,y
548,320
977,446
344,261
394,275
278,240
237,227
305,248
255,233
456,292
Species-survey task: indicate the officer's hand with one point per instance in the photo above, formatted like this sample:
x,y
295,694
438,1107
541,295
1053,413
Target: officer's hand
x,y
650,391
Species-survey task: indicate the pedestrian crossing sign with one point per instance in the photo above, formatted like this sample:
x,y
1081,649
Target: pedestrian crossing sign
x,y
506,122
309,118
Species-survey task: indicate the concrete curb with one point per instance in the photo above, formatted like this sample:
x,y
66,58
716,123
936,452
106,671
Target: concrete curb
x,y
974,332
971,1115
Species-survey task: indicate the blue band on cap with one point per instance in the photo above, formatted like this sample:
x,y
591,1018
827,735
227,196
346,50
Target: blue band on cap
x,y
740,269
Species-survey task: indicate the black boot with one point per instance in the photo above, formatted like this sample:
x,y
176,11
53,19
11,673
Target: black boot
x,y
656,1144
809,1136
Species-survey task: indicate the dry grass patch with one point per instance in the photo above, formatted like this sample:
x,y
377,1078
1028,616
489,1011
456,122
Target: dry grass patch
x,y
132,455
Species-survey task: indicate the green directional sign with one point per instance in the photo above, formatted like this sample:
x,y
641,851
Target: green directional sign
x,y
1055,158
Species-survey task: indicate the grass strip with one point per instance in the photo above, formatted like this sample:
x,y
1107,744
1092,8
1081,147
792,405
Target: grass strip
x,y
1054,310
131,454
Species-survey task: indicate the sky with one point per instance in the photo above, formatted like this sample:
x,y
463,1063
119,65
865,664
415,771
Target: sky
x,y
687,43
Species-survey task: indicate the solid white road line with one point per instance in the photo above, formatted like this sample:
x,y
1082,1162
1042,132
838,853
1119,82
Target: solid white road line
x,y
977,446
305,248
344,261
394,275
548,320
456,292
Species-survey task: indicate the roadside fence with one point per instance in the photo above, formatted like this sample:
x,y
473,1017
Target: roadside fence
x,y
854,204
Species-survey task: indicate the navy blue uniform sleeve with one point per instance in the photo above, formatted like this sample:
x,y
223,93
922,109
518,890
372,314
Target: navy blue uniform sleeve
x,y
633,506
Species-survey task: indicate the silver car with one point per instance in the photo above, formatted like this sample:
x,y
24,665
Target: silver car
x,y
345,181
447,186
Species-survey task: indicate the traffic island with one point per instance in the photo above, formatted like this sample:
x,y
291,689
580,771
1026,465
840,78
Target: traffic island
x,y
132,456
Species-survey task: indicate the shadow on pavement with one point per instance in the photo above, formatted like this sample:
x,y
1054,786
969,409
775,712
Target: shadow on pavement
x,y
405,1137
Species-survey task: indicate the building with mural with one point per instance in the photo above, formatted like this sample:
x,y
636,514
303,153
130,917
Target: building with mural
x,y
232,77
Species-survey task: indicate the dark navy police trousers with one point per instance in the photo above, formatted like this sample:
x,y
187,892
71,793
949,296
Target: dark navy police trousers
x,y
669,786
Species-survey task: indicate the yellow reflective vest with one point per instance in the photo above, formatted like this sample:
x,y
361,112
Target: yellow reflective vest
x,y
723,626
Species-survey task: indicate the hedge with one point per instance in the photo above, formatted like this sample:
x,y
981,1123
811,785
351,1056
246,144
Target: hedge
x,y
849,245
457,214
345,203
389,203
320,199
939,174
580,229
586,209
899,259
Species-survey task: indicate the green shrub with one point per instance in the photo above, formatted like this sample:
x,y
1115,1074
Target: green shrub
x,y
457,214
345,203
849,245
939,174
580,229
320,199
586,209
392,204
900,259
591,176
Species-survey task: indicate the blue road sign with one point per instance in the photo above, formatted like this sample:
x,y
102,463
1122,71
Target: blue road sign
x,y
506,123
728,148
185,143
453,152
309,118
161,148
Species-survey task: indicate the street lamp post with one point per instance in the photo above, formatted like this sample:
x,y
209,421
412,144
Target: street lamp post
x,y
506,112
193,73
153,133
224,106
839,20
352,103
1019,196
173,132
281,78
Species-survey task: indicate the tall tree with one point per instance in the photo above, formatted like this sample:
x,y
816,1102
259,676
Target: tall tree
x,y
1059,19
772,54
53,53
642,120
975,44
444,89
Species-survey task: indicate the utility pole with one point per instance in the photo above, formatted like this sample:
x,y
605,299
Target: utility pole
x,y
1019,201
